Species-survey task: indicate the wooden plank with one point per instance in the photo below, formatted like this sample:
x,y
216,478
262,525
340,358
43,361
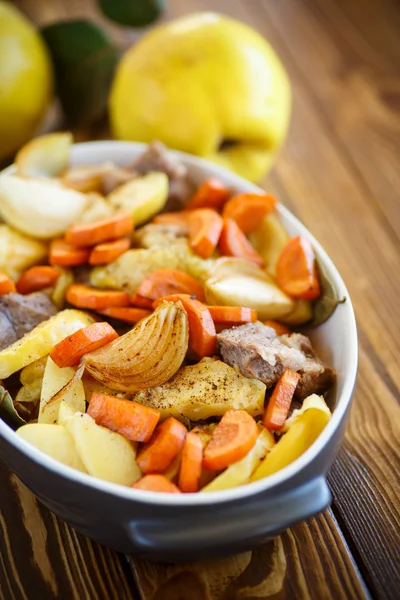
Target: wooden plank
x,y
316,559
319,181
41,557
309,562
353,76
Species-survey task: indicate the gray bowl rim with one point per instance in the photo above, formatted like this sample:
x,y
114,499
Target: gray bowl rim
x,y
80,153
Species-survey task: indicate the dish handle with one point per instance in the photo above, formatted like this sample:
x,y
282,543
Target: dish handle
x,y
250,519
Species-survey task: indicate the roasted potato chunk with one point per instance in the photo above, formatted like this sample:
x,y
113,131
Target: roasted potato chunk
x,y
129,270
206,389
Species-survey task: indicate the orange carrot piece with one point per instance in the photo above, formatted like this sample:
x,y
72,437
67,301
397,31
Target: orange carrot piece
x,y
127,314
165,444
156,483
134,421
247,210
69,351
84,296
278,407
90,234
103,254
202,334
212,193
233,242
205,226
63,254
232,439
37,278
6,285
279,327
229,316
172,218
296,270
191,464
165,282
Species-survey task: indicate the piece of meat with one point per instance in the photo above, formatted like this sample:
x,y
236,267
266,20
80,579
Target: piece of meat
x,y
157,158
20,314
258,352
115,176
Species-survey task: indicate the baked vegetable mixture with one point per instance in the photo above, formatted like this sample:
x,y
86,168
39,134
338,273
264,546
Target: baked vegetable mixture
x,y
147,325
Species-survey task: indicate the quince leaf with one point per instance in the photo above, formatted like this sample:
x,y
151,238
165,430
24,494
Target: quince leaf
x,y
133,13
84,62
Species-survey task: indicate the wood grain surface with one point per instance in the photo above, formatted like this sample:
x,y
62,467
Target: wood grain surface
x,y
339,172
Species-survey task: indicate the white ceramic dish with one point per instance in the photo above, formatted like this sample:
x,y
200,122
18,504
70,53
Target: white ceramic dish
x,y
191,526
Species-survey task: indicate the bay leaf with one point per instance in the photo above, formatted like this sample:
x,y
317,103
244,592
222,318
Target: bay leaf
x,y
133,13
7,410
84,61
329,299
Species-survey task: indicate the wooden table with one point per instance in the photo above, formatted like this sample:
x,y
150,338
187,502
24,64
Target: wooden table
x,y
340,173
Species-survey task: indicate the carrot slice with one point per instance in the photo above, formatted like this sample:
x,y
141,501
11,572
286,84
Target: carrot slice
x,y
165,282
279,327
89,234
247,210
156,483
165,444
296,270
202,334
211,194
69,351
84,296
6,285
205,226
278,407
172,218
134,421
232,439
37,278
229,316
233,242
191,464
103,254
66,255
127,314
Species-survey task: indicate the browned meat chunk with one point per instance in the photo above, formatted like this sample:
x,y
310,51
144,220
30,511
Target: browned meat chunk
x,y
258,352
19,314
157,158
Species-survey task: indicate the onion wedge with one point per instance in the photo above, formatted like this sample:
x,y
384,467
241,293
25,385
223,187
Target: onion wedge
x,y
145,357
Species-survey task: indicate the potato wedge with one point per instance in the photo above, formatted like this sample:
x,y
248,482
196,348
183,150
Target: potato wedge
x,y
239,473
65,411
105,454
129,270
53,440
302,429
18,252
44,156
56,379
206,389
238,283
144,196
60,287
302,313
38,342
33,372
269,239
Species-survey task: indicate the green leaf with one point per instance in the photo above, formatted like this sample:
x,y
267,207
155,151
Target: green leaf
x,y
84,62
7,410
326,304
134,13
